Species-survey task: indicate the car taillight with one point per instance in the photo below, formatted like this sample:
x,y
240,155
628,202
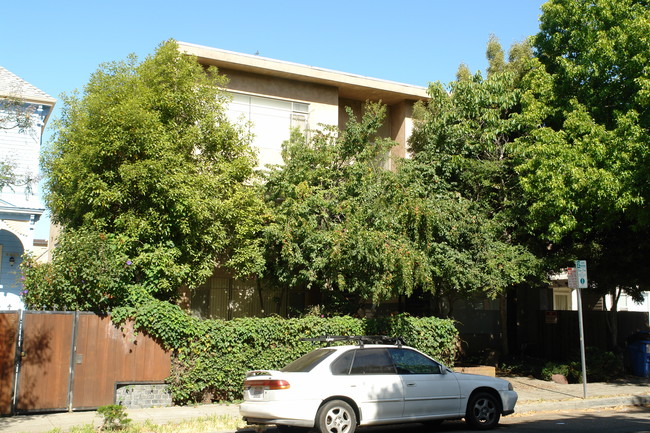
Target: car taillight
x,y
267,384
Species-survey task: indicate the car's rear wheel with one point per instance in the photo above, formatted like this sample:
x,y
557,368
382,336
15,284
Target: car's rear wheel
x,y
483,411
336,416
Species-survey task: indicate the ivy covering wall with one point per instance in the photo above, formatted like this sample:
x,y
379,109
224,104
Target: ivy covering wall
x,y
211,357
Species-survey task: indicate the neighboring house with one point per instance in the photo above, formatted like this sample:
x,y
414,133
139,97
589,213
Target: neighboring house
x,y
565,298
274,97
20,205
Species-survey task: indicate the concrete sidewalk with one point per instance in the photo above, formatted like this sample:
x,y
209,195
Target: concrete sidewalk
x,y
534,396
542,396
67,420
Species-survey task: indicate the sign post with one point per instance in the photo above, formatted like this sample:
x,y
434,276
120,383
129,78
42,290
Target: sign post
x,y
578,280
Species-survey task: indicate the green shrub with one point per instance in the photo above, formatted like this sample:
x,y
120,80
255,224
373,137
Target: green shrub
x,y
567,370
434,336
114,417
90,271
211,357
601,366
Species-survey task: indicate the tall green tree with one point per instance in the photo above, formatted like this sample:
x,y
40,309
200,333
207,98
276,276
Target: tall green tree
x,y
91,271
598,52
586,176
333,227
355,231
146,152
593,148
465,143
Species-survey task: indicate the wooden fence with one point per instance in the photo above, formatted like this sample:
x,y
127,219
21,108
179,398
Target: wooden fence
x,y
558,334
64,361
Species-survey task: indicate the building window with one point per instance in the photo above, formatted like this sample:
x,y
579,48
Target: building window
x,y
561,302
224,297
271,121
562,299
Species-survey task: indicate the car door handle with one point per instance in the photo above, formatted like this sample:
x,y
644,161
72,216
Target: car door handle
x,y
410,384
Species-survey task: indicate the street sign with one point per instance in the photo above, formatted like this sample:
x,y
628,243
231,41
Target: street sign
x,y
578,280
581,274
572,277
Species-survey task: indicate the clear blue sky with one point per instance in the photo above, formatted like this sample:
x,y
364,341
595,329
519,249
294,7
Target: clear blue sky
x,y
56,45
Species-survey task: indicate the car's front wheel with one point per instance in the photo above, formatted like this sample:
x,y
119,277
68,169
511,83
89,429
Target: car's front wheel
x,y
336,416
483,411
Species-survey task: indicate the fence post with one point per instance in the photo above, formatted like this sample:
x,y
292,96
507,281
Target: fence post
x,y
18,356
73,353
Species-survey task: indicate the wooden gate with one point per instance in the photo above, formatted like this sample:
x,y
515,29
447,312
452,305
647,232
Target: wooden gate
x,y
8,339
106,355
44,361
58,361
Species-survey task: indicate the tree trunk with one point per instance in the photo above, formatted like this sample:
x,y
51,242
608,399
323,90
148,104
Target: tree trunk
x,y
503,322
612,318
259,293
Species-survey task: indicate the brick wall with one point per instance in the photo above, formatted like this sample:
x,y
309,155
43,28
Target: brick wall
x,y
136,396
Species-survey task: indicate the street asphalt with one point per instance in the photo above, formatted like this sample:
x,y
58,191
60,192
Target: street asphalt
x,y
534,396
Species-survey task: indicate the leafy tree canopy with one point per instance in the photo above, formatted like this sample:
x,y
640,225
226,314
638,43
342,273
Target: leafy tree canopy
x,y
598,52
8,176
586,172
91,271
465,145
334,226
146,153
344,223
589,162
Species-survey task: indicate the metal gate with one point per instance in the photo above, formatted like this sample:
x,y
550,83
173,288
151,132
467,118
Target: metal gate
x,y
63,361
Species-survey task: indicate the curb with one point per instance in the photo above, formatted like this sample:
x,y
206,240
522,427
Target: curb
x,y
581,404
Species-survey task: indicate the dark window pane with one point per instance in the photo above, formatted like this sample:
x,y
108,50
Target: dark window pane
x,y
307,362
412,362
372,361
342,365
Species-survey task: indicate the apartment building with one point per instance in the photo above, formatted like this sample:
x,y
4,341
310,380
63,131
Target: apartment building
x,y
274,96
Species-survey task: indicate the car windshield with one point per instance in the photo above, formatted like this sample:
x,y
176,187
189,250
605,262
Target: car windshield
x,y
307,362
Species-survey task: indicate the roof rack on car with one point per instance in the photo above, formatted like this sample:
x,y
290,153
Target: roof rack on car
x,y
359,339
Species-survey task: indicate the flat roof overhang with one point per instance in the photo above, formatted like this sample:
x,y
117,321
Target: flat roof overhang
x,y
350,86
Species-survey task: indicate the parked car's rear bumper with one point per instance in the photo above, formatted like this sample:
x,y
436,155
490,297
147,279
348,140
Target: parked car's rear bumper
x,y
295,413
291,422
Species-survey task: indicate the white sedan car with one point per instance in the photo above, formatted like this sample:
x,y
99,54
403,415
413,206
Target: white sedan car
x,y
336,389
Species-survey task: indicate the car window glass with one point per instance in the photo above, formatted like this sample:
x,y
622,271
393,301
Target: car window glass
x,y
372,361
343,363
307,362
412,362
